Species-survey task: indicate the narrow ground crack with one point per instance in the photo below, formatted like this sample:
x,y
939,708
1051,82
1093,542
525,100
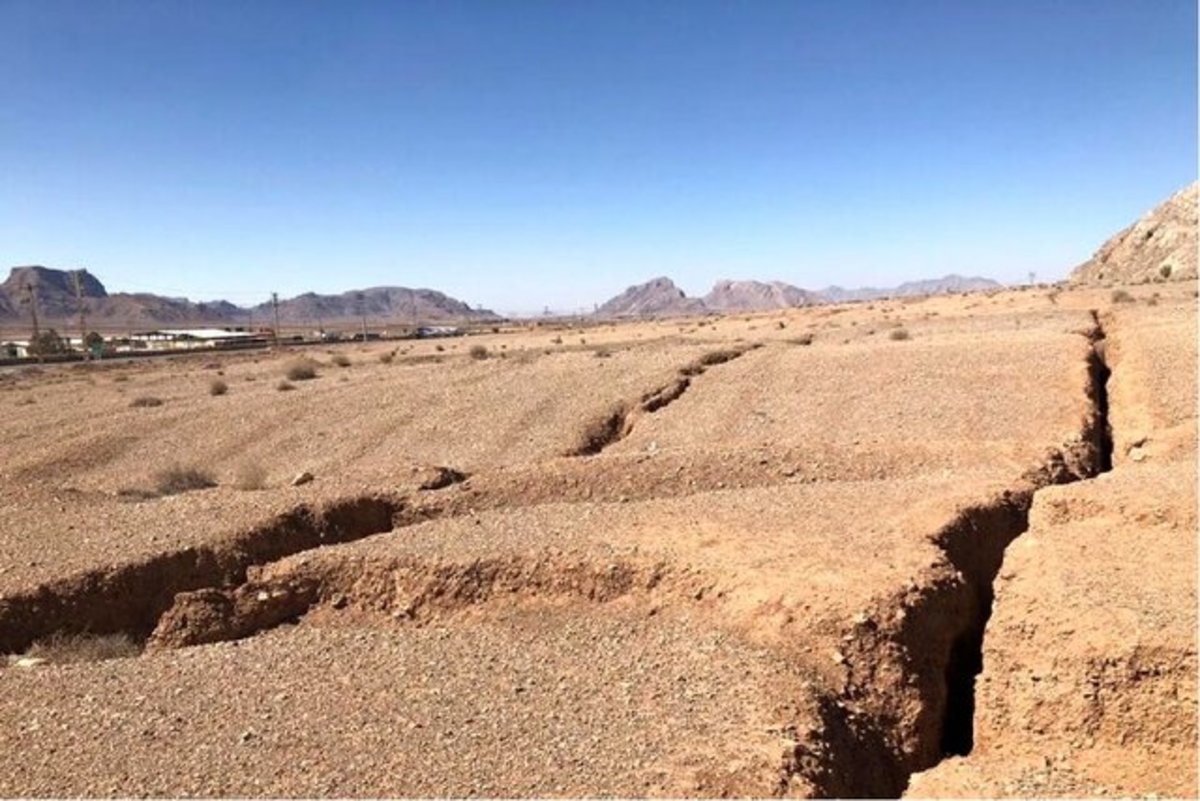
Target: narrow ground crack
x,y
617,423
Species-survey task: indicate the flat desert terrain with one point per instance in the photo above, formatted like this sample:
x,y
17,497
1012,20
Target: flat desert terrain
x,y
942,546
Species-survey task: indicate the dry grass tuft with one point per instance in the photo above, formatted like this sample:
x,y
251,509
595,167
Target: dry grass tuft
x,y
251,476
302,369
285,386
803,339
64,648
388,357
146,402
340,359
182,478
217,387
478,352
899,334
1121,296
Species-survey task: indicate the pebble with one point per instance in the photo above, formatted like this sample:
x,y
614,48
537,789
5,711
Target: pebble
x,y
302,478
28,662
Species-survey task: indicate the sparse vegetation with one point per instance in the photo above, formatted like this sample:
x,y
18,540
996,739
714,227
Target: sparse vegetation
x,y
285,386
63,648
341,360
182,478
899,334
47,343
478,352
217,387
1121,296
803,339
250,476
388,357
146,402
303,369
1165,271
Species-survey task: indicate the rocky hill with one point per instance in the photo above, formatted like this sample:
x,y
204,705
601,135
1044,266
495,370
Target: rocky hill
x,y
1159,246
386,302
662,298
55,290
656,298
755,296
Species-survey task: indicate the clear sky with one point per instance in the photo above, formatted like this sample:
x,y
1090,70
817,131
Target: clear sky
x,y
520,154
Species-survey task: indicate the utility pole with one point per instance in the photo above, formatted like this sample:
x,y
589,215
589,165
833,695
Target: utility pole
x,y
275,308
31,292
82,320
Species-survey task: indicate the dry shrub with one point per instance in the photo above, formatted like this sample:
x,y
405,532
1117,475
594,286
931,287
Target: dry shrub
x,y
1121,296
182,478
146,402
803,339
898,334
62,648
217,387
302,369
285,386
388,357
251,476
478,352
340,359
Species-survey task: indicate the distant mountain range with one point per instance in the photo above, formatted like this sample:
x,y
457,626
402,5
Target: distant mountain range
x,y
56,299
660,297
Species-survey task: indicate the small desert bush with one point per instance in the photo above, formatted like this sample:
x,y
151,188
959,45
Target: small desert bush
x,y
146,402
603,354
803,339
62,648
388,357
478,352
1165,271
898,334
182,478
341,360
217,387
302,369
285,386
1121,296
250,476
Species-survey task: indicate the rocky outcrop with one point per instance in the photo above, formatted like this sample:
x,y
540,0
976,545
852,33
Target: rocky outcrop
x,y
755,296
656,298
1160,246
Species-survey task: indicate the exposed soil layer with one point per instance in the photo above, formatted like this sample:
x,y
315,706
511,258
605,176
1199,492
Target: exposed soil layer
x,y
813,570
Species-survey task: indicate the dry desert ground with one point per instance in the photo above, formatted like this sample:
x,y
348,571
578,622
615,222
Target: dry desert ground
x,y
943,546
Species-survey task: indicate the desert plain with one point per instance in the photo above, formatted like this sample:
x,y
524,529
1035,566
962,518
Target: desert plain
x,y
939,546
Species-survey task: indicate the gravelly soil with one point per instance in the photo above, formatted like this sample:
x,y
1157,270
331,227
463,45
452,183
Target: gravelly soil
x,y
753,588
493,708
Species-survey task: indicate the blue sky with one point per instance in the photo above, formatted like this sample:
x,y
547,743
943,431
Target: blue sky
x,y
522,154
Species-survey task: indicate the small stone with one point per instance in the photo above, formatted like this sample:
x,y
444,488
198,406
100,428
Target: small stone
x,y
302,478
838,657
29,662
247,736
